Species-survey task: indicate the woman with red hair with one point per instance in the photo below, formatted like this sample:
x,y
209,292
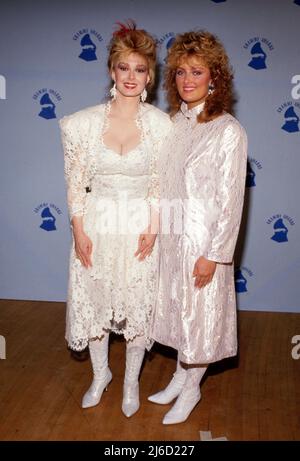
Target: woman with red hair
x,y
113,149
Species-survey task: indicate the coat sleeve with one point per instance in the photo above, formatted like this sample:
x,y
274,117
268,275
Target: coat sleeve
x,y
229,194
161,127
75,163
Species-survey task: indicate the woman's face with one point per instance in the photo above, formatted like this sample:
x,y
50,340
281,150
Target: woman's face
x,y
192,80
131,74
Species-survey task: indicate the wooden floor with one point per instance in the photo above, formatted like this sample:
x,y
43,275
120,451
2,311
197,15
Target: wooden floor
x,y
254,397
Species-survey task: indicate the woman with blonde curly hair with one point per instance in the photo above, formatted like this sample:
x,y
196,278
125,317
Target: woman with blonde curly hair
x,y
111,150
203,174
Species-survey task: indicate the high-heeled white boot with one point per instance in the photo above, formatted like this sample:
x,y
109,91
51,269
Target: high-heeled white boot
x,y
188,397
102,374
131,399
173,389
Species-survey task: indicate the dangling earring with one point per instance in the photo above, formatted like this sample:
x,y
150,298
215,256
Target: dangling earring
x,y
144,95
211,89
113,91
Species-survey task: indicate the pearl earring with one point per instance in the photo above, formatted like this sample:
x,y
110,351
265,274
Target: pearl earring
x,y
113,91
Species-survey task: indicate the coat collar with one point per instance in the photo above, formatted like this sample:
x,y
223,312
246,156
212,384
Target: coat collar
x,y
191,114
144,108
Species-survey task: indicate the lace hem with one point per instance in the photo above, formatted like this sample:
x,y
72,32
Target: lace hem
x,y
129,333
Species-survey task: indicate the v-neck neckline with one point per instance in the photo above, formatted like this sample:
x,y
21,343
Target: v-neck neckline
x,y
106,126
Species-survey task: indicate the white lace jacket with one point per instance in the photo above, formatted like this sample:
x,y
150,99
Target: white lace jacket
x,y
80,136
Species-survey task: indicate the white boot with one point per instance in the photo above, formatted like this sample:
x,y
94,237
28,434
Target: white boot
x,y
173,389
102,374
131,400
188,397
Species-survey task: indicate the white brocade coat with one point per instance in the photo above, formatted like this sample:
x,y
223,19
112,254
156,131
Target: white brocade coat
x,y
204,166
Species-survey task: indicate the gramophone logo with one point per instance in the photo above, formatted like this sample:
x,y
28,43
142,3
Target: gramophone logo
x,y
280,227
289,112
88,38
47,99
48,216
241,276
258,48
163,45
297,2
218,1
2,87
253,166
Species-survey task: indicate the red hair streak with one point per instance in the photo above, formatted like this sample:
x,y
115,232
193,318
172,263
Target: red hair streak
x,y
124,28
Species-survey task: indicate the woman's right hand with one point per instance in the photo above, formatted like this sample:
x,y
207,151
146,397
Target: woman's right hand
x,y
83,248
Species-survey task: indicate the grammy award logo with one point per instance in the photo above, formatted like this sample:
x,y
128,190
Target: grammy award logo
x,y
48,216
88,40
47,98
258,48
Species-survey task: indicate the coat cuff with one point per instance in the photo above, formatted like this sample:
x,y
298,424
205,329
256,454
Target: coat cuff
x,y
221,258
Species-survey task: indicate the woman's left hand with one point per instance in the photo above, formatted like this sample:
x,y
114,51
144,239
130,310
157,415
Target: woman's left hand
x,y
204,270
145,245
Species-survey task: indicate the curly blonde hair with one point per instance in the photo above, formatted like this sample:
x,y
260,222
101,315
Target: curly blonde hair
x,y
204,45
128,39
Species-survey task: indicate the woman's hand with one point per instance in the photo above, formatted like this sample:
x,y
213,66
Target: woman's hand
x,y
83,248
204,270
83,244
145,244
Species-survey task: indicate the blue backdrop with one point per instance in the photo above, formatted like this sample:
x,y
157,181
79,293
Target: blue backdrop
x,y
53,62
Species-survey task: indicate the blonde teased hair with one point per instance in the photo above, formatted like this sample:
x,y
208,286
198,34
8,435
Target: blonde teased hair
x,y
128,39
204,45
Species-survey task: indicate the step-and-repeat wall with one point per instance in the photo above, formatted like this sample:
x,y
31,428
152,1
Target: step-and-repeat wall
x,y
53,62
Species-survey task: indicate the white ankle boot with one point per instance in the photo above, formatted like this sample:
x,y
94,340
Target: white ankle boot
x,y
102,374
173,389
188,397
131,400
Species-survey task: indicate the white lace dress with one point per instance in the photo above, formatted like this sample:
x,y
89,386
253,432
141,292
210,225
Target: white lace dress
x,y
118,292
